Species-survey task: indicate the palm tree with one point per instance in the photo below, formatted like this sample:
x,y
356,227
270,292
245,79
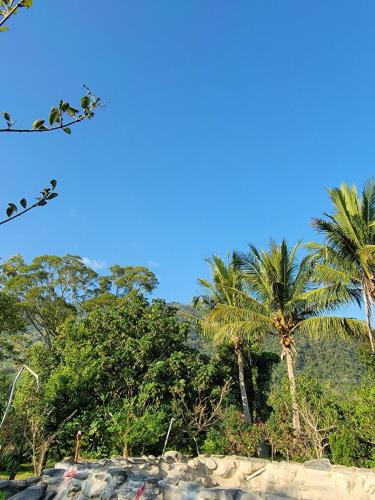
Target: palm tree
x,y
226,282
347,257
279,298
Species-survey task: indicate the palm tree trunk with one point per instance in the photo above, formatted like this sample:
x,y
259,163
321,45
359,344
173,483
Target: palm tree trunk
x,y
241,378
368,306
292,384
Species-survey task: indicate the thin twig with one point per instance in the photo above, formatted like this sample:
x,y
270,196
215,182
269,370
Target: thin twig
x,y
59,127
11,12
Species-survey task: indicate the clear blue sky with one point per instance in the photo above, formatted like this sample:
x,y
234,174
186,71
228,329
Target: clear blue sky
x,y
226,121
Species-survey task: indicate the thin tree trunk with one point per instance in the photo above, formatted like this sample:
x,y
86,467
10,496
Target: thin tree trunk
x,y
368,306
292,384
241,378
251,391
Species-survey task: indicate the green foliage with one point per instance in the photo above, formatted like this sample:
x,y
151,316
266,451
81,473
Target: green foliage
x,y
47,194
354,443
61,116
119,375
135,428
320,415
346,259
234,436
47,291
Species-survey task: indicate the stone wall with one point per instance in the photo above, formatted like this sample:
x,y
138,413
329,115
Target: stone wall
x,y
176,477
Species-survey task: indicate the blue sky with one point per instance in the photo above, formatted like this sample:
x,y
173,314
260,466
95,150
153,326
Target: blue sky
x,y
226,122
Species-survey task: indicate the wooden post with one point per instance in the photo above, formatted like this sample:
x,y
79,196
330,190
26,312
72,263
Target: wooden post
x,y
78,444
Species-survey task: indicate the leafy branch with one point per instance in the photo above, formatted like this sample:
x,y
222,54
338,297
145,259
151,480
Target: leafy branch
x,y
47,194
58,116
9,8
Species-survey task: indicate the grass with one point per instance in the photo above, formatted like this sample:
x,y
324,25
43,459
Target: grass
x,y
25,471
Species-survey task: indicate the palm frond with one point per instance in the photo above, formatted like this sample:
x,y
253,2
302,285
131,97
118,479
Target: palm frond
x,y
331,327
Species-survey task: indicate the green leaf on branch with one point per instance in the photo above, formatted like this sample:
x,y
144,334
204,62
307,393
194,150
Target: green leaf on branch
x,y
4,28
53,116
67,130
52,196
12,208
27,3
6,116
72,111
38,124
85,101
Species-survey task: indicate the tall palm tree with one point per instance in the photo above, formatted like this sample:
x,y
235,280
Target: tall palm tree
x,y
347,257
226,282
279,298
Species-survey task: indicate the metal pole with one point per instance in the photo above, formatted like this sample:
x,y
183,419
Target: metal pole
x,y
166,439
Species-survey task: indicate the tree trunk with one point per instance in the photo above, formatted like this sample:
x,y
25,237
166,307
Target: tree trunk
x,y
251,391
292,384
241,378
368,306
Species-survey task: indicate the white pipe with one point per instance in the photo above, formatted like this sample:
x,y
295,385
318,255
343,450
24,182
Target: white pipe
x,y
166,439
23,367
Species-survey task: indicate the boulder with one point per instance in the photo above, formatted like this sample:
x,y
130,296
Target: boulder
x,y
32,493
226,468
318,464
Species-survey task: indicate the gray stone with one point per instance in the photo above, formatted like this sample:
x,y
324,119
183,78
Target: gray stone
x,y
318,464
51,480
50,495
74,485
54,472
32,480
226,493
117,471
208,494
82,475
136,460
108,494
31,493
13,487
208,462
188,486
94,487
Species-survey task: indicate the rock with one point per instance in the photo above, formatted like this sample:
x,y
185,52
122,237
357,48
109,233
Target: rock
x,y
173,454
94,487
118,472
249,496
54,472
226,493
188,486
50,495
153,470
63,465
318,464
74,485
208,462
81,475
208,494
136,460
226,468
32,480
32,493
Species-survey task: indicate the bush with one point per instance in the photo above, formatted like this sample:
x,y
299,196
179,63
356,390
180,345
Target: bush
x,y
232,435
320,414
